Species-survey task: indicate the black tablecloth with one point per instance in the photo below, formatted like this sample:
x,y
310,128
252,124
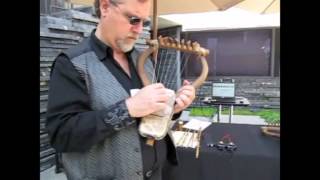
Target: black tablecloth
x,y
257,156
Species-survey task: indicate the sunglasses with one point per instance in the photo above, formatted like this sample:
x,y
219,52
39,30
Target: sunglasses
x,y
133,20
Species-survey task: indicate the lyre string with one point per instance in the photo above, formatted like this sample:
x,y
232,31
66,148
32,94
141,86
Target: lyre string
x,y
160,61
185,61
157,67
166,76
169,74
161,70
154,77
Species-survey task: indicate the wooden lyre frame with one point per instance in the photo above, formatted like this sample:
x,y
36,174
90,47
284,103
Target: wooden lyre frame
x,y
166,43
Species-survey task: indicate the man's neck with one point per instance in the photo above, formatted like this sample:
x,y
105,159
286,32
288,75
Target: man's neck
x,y
102,38
118,55
105,40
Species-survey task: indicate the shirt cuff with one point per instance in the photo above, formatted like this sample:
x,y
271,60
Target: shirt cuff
x,y
117,115
177,115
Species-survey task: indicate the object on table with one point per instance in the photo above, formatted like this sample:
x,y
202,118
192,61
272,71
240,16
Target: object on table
x,y
271,130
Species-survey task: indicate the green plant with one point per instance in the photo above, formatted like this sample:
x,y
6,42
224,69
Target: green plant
x,y
271,116
202,111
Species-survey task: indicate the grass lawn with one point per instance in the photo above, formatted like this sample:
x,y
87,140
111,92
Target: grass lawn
x,y
271,116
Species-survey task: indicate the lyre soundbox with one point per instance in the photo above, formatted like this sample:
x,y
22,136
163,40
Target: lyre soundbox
x,y
157,124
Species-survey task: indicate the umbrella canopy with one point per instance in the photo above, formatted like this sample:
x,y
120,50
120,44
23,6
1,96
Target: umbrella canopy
x,y
193,6
260,6
196,6
181,6
168,7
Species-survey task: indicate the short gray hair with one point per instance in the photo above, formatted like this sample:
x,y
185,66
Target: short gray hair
x,y
114,2
97,6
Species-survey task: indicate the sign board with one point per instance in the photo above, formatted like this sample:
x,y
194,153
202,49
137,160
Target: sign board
x,y
223,90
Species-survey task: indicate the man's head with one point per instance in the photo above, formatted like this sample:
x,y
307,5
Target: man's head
x,y
121,21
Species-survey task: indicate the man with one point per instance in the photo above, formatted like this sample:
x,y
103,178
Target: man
x,y
92,119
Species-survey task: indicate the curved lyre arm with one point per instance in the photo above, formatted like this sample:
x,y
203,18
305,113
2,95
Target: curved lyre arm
x,y
204,73
169,43
142,60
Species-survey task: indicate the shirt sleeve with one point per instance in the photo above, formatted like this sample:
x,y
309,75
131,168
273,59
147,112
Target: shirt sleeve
x,y
71,123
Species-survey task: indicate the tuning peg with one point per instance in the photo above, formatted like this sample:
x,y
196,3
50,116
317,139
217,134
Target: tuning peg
x,y
172,42
166,40
161,41
195,46
189,45
183,44
178,44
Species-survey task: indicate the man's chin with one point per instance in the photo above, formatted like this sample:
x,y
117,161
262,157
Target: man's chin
x,y
127,48
127,45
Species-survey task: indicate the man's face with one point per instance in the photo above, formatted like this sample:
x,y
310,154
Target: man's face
x,y
125,23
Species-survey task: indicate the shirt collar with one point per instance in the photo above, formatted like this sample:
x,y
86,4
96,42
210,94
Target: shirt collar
x,y
101,49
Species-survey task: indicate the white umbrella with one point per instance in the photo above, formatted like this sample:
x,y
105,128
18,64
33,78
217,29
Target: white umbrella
x,y
181,6
169,7
195,6
260,6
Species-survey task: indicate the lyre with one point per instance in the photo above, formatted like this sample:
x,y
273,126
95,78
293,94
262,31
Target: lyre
x,y
156,126
154,121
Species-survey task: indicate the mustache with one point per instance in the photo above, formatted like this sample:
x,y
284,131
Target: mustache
x,y
133,36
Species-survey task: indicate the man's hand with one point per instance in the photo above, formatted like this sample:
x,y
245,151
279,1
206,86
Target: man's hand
x,y
148,100
185,96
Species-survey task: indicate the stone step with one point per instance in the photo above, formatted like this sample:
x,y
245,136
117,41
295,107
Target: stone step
x,y
59,36
72,14
44,97
47,59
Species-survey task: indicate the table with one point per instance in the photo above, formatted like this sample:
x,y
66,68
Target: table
x,y
239,101
256,158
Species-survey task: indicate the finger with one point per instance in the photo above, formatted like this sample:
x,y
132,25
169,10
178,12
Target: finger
x,y
179,102
177,108
161,98
160,106
158,85
160,91
188,93
186,82
186,88
184,99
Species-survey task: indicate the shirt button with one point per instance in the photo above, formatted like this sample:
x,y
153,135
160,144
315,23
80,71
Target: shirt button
x,y
116,127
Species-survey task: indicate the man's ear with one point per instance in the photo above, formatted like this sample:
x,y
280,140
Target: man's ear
x,y
104,7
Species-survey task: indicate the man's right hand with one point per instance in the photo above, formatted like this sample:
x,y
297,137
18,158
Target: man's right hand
x,y
148,100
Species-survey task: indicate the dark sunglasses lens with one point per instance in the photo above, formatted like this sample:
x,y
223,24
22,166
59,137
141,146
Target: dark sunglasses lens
x,y
134,20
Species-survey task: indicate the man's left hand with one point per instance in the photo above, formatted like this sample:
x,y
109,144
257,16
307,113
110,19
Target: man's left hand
x,y
185,96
